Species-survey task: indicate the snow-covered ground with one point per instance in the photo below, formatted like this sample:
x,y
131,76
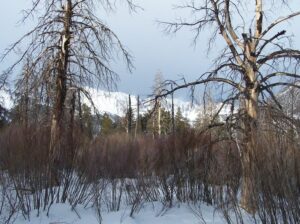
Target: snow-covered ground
x,y
151,213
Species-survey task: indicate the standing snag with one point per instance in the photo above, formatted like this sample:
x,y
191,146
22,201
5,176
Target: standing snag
x,y
252,64
70,50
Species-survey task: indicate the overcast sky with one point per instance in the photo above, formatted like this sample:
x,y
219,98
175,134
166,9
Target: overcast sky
x,y
153,51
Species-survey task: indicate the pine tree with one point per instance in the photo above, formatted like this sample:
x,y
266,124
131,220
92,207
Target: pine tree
x,y
106,125
146,126
181,123
166,122
87,120
3,117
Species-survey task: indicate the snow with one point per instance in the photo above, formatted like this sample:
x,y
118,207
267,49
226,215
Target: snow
x,y
5,100
116,103
110,102
150,213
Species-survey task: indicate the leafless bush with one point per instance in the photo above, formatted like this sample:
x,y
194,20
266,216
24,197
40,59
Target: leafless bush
x,y
118,170
277,194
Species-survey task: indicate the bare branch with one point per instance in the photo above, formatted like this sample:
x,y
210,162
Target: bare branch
x,y
278,21
285,53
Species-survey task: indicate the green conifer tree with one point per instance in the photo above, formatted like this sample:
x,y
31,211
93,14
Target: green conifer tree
x,y
106,125
181,123
87,120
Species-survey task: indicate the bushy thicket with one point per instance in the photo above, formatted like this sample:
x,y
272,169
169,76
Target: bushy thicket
x,y
111,171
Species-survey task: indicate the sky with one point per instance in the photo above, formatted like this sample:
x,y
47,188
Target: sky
x,y
153,51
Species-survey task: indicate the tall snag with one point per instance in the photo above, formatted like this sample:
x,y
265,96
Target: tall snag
x,y
251,65
70,50
61,81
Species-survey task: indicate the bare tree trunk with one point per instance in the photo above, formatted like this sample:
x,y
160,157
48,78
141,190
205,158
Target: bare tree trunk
x,y
159,120
153,127
71,127
129,116
137,117
80,112
57,116
25,112
248,185
173,114
61,89
247,160
248,201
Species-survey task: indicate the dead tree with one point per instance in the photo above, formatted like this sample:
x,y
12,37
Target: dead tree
x,y
158,80
129,116
251,65
137,123
71,49
173,112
